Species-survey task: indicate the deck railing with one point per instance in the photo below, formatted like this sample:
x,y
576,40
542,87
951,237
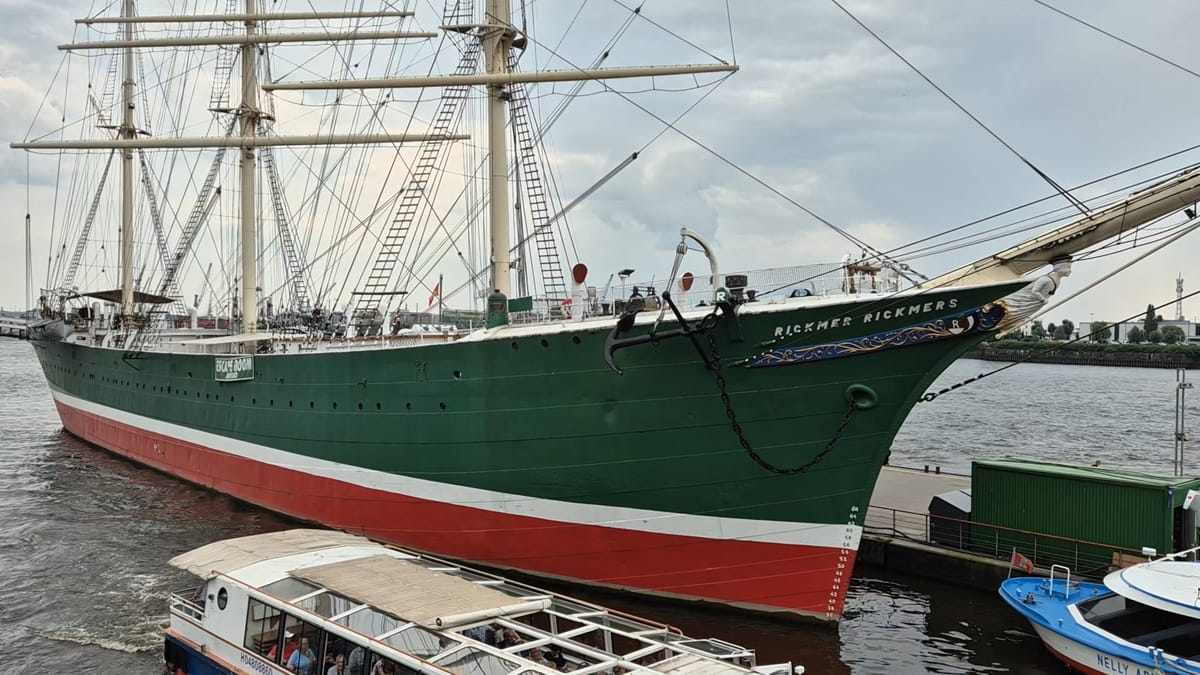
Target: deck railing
x,y
1087,558
181,603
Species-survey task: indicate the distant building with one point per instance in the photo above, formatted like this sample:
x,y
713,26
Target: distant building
x,y
1120,331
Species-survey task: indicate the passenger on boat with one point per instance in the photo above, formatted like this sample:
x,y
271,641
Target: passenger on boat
x,y
555,656
509,638
383,667
301,661
338,667
289,647
357,661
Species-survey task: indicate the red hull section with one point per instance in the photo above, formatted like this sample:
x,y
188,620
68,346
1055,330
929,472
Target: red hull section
x,y
757,575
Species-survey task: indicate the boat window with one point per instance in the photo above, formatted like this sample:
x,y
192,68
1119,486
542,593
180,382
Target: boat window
x,y
626,625
305,642
370,622
326,604
708,646
566,607
471,661
262,627
335,646
420,642
289,589
1103,607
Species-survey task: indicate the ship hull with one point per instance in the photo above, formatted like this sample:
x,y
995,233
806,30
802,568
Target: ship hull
x,y
530,454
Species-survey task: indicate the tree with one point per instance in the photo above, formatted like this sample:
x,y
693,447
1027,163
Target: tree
x,y
1171,334
1150,324
1101,331
1061,333
1154,336
1052,330
1068,327
1037,331
1137,335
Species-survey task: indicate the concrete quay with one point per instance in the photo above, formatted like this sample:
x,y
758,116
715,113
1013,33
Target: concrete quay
x,y
896,532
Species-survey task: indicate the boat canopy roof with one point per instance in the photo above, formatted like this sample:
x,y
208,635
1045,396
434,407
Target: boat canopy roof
x,y
408,589
230,555
1170,585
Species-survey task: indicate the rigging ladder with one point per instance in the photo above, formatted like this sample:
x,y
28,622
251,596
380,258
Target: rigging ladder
x,y
413,196
549,264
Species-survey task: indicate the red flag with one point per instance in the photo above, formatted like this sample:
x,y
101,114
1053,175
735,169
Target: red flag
x,y
437,292
1021,562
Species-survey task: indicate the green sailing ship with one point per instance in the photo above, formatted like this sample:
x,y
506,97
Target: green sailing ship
x,y
715,436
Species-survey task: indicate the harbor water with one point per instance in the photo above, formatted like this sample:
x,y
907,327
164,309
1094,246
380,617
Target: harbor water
x,y
84,536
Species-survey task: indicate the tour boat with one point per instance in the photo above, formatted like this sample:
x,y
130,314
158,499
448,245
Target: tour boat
x,y
318,602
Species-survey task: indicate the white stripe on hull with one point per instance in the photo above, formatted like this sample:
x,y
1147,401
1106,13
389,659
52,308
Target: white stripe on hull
x,y
642,520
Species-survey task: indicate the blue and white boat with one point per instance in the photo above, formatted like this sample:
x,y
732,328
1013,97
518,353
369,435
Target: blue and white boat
x,y
1143,620
316,602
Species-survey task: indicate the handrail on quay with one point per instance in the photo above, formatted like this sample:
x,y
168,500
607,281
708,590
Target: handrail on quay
x,y
1088,558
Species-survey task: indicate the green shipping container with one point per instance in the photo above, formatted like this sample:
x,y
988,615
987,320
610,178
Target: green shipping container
x,y
1114,508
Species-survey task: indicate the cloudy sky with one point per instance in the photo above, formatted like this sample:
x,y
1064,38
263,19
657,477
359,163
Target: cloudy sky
x,y
820,111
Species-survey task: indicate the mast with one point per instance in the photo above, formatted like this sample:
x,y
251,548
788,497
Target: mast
x,y
1158,200
249,113
129,132
497,40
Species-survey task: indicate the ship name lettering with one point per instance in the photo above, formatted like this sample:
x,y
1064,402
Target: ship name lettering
x,y
846,321
1112,665
230,366
255,664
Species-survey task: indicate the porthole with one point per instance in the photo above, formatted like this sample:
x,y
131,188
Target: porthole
x,y
545,342
222,598
575,339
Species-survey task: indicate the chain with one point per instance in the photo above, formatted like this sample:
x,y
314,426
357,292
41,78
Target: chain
x,y
929,396
737,428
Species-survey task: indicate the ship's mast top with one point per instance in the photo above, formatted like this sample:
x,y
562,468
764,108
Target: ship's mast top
x,y
498,37
249,113
127,131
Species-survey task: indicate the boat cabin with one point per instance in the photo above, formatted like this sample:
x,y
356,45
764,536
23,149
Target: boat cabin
x,y
314,602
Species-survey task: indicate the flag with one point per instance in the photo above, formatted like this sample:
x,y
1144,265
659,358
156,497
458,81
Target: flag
x,y
437,293
1021,562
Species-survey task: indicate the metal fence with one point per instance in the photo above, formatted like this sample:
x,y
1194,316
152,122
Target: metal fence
x,y
1085,558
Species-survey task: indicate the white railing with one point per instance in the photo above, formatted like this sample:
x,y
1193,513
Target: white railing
x,y
180,604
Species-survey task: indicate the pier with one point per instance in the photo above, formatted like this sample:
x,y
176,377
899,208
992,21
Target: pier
x,y
14,328
900,535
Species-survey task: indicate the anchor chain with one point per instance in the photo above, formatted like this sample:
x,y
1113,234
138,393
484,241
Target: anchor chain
x,y
930,395
715,362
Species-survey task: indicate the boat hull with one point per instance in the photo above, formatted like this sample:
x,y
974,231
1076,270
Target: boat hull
x,y
1081,646
530,454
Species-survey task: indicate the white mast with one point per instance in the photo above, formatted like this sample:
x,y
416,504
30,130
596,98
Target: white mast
x,y
249,113
497,40
127,131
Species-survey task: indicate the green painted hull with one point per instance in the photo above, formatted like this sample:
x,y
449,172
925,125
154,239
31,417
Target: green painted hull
x,y
542,415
